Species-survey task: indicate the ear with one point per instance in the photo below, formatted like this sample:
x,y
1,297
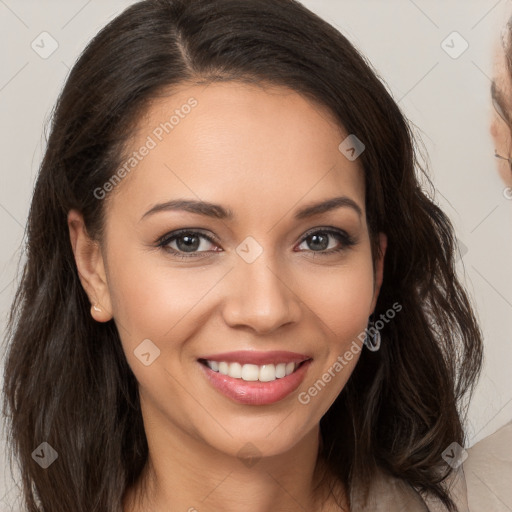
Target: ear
x,y
379,268
90,266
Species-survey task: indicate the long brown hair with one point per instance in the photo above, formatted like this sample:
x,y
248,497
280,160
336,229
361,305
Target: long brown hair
x,y
67,381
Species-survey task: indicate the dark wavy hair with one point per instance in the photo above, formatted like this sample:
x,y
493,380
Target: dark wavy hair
x,y
66,378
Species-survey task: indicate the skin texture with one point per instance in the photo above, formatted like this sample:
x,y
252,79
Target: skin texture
x,y
263,153
501,131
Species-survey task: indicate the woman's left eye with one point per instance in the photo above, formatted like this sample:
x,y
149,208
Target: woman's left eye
x,y
321,238
188,243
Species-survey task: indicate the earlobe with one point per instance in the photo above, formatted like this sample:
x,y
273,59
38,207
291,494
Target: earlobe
x,y
90,267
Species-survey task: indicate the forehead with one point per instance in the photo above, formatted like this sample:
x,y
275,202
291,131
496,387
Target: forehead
x,y
240,141
229,110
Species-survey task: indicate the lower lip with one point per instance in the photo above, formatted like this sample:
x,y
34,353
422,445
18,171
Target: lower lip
x,y
256,392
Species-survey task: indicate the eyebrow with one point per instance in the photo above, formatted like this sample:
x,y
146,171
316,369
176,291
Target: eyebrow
x,y
219,212
499,99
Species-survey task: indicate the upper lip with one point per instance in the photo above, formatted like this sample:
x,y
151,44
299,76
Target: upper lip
x,y
258,358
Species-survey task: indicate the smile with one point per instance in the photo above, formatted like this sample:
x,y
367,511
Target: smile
x,y
254,384
253,372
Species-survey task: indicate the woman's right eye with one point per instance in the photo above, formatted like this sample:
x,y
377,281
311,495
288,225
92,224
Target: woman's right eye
x,y
187,243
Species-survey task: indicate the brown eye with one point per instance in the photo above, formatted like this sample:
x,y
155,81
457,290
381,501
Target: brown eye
x,y
318,241
187,243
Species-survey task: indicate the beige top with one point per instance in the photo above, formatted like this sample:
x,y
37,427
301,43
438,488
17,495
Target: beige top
x,y
390,494
488,471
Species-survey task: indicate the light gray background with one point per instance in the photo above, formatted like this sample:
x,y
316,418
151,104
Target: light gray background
x,y
447,100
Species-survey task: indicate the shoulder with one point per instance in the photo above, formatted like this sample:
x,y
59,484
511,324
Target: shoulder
x,y
488,470
386,494
389,494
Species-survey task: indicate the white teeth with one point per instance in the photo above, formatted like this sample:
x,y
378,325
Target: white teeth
x,y
267,373
235,370
223,368
280,370
250,372
253,372
289,368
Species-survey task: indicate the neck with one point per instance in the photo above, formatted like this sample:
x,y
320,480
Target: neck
x,y
183,473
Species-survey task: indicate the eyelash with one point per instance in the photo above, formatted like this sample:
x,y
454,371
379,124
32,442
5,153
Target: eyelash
x,y
163,242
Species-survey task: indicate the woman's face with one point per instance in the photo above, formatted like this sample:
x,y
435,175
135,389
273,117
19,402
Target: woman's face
x,y
501,124
265,280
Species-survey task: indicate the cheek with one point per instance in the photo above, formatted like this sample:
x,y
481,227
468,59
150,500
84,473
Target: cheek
x,y
150,295
341,298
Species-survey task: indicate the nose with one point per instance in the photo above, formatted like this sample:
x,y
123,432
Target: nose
x,y
261,296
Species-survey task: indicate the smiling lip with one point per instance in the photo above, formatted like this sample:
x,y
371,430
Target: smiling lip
x,y
259,358
255,392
